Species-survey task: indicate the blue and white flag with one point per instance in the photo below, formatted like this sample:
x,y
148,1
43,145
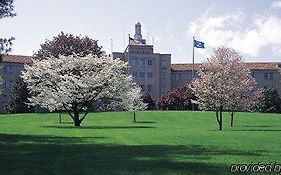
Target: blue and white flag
x,y
198,44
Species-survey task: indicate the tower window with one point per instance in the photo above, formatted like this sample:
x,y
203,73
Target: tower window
x,y
149,62
164,63
164,75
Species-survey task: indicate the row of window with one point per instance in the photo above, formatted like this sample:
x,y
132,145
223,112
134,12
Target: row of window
x,y
140,62
138,51
142,74
267,76
148,88
177,77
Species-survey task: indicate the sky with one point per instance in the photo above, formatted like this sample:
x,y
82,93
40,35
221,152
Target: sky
x,y
251,27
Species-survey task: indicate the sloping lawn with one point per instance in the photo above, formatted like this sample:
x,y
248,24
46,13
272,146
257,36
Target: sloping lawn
x,y
162,142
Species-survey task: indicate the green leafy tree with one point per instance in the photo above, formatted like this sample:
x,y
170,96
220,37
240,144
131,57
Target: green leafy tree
x,y
269,101
19,98
6,10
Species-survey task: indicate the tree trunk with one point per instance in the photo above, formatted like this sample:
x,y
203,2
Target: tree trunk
x,y
219,117
232,118
220,124
134,114
76,119
60,117
218,120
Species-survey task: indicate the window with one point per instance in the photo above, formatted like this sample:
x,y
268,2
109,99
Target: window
x,y
10,69
5,69
149,62
164,75
142,75
253,74
164,63
149,88
163,89
175,77
271,76
131,62
149,74
136,62
266,76
135,74
11,84
5,84
180,76
143,62
142,87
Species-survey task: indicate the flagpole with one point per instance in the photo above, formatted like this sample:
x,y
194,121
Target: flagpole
x,y
128,57
192,74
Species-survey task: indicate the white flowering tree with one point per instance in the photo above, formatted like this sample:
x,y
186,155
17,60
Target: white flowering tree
x,y
133,102
74,83
223,83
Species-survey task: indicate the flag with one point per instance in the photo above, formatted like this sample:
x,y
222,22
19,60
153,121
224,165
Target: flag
x,y
198,44
134,42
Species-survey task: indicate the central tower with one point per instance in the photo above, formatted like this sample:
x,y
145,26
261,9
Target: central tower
x,y
138,35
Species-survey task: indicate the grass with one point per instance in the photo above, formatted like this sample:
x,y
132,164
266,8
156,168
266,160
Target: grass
x,y
162,142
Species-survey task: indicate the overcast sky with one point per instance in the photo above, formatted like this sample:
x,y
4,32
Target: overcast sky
x,y
252,27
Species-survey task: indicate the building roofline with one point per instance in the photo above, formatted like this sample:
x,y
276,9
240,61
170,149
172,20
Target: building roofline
x,y
21,59
251,65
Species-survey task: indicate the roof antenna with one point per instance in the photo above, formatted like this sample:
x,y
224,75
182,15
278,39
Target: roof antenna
x,y
111,45
148,35
123,38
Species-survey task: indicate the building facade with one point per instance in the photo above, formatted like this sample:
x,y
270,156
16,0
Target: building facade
x,y
156,75
152,71
11,67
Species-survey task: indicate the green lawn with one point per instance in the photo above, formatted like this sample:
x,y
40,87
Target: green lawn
x,y
162,142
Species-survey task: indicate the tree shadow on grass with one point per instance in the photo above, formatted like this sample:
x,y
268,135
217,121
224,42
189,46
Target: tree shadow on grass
x,y
144,122
260,126
66,123
269,130
100,127
21,154
13,139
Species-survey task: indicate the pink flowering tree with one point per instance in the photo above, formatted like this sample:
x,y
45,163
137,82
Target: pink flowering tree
x,y
223,83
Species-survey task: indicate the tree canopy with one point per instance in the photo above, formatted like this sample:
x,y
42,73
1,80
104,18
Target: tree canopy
x,y
75,83
146,98
18,102
6,10
68,44
223,82
269,101
177,99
